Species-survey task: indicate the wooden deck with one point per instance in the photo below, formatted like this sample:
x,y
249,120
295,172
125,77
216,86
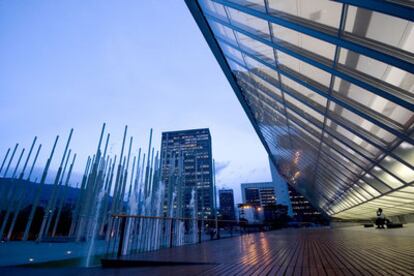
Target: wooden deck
x,y
348,251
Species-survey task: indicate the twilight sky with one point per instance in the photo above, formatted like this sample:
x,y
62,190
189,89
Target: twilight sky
x,y
142,63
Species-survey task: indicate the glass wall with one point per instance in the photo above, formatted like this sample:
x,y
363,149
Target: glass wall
x,y
331,90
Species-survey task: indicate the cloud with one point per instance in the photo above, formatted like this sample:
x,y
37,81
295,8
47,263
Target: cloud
x,y
220,166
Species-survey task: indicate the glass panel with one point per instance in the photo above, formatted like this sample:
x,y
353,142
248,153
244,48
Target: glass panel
x,y
249,22
377,69
321,11
262,50
235,67
265,84
397,168
340,131
368,188
381,106
301,129
378,185
303,107
381,27
309,43
311,95
335,155
351,153
261,70
302,120
406,152
356,120
215,8
386,177
231,52
345,166
304,68
362,192
222,31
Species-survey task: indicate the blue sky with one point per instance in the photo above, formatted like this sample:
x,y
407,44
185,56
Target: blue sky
x,y
142,63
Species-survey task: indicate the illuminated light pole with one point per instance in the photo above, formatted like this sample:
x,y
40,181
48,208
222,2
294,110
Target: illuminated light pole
x,y
9,196
63,196
22,195
11,159
4,160
37,197
48,211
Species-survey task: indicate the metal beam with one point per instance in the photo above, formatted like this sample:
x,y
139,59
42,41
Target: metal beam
x,y
323,35
387,7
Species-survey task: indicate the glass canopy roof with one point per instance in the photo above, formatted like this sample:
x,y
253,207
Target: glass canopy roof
x,y
329,88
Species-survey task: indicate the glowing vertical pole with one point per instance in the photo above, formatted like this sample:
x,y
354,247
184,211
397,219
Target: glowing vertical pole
x,y
10,197
125,177
107,195
119,175
147,168
37,197
18,164
22,195
58,192
62,201
48,210
11,159
88,204
4,160
27,159
34,162
75,213
15,193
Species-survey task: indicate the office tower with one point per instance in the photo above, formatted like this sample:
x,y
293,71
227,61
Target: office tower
x,y
226,199
328,87
302,208
259,193
187,172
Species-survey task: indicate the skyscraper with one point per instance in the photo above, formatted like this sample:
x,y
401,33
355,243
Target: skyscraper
x,y
226,199
302,208
187,172
328,87
259,193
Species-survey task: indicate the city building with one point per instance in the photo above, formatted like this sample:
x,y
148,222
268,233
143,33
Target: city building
x,y
187,172
302,209
226,200
328,87
281,189
250,213
259,193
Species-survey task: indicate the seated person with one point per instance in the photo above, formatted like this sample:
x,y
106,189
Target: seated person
x,y
381,220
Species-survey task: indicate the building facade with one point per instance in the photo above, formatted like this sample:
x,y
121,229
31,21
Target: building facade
x,y
259,193
281,189
250,214
302,209
187,172
329,88
226,200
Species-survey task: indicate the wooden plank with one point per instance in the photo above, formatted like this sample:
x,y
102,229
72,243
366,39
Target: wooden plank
x,y
298,252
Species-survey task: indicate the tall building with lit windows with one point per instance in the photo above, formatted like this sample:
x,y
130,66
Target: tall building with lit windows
x,y
259,193
226,200
187,171
329,89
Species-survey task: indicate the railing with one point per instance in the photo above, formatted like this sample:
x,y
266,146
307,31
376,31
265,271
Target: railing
x,y
132,234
